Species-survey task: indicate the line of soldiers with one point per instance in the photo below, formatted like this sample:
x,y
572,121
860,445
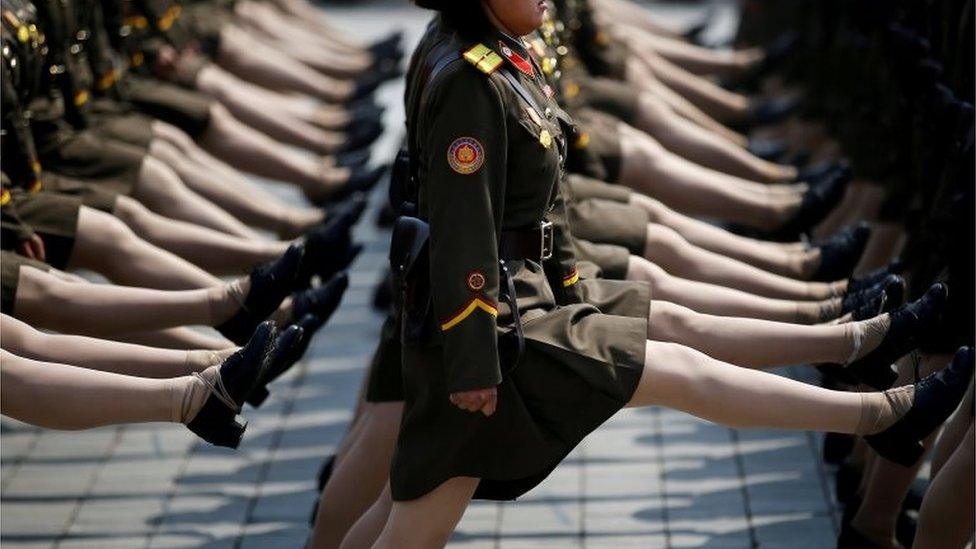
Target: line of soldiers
x,y
838,193
131,130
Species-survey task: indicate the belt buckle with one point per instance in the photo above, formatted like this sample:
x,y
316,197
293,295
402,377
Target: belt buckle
x,y
545,229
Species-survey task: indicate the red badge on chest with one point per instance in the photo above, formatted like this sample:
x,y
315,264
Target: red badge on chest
x,y
520,62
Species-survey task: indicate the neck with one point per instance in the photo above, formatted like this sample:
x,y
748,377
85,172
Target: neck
x,y
495,21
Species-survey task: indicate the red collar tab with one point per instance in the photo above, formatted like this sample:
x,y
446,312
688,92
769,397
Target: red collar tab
x,y
520,62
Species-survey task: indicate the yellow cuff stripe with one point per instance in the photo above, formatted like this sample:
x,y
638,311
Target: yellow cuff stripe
x,y
476,303
4,197
571,279
108,80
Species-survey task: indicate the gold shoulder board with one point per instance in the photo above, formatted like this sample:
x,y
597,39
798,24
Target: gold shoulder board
x,y
484,58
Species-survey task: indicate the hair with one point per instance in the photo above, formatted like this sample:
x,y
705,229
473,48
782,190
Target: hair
x,y
467,17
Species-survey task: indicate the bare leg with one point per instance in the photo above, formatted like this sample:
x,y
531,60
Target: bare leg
x,y
58,396
953,433
710,97
674,254
162,190
359,477
793,260
647,168
249,150
638,16
243,198
107,356
757,343
692,58
367,529
107,246
708,298
702,146
103,309
270,68
684,379
429,520
211,250
174,338
639,75
946,517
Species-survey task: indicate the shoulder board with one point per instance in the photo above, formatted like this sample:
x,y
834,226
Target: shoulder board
x,y
484,58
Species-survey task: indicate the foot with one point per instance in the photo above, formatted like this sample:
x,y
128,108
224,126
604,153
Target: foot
x,y
269,285
329,247
762,112
907,328
351,159
817,203
889,296
935,398
858,283
359,181
286,345
840,253
767,149
361,135
224,389
321,302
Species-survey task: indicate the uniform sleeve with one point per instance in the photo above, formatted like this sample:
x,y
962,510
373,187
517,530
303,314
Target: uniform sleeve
x,y
563,262
465,156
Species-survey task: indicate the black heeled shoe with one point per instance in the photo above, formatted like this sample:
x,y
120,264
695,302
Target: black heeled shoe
x,y
858,283
366,112
763,112
284,357
320,302
840,253
217,421
362,135
348,212
365,84
853,301
818,201
327,247
387,44
270,285
890,298
360,181
766,148
352,159
909,325
936,397
816,172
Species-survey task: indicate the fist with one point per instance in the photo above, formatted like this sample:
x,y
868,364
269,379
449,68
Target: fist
x,y
479,400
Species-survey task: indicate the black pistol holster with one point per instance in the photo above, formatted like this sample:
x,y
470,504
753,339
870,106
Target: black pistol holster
x,y
410,265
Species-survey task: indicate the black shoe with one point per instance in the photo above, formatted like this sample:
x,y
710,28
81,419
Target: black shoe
x,y
346,213
362,180
908,327
768,111
852,539
816,173
217,422
362,135
846,483
328,247
890,298
366,112
778,50
936,397
861,282
325,472
767,149
286,343
320,302
386,45
817,203
836,447
352,159
840,253
366,84
270,285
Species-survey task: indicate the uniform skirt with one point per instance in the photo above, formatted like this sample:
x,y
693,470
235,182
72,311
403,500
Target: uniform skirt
x,y
186,109
87,155
610,222
10,264
54,217
579,367
583,187
612,260
94,194
385,371
603,139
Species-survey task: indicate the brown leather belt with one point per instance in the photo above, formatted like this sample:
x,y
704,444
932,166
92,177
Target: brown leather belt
x,y
534,243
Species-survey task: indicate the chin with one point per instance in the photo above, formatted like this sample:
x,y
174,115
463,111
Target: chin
x,y
529,25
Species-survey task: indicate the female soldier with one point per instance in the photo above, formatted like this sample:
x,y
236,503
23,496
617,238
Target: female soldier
x,y
488,158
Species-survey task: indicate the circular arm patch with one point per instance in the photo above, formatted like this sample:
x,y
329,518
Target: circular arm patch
x,y
465,155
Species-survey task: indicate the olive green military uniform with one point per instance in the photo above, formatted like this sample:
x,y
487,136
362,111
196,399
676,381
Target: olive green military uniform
x,y
488,163
10,266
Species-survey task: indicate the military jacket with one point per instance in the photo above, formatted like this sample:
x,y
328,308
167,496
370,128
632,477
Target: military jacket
x,y
488,158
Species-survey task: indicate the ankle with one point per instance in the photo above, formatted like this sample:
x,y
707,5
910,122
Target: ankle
x,y
198,360
865,336
226,300
188,394
880,410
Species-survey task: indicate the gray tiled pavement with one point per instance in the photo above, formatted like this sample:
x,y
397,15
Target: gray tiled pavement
x,y
648,478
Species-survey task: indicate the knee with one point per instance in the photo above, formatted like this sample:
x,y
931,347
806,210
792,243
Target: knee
x,y
643,270
37,289
673,322
654,208
110,235
662,237
162,180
